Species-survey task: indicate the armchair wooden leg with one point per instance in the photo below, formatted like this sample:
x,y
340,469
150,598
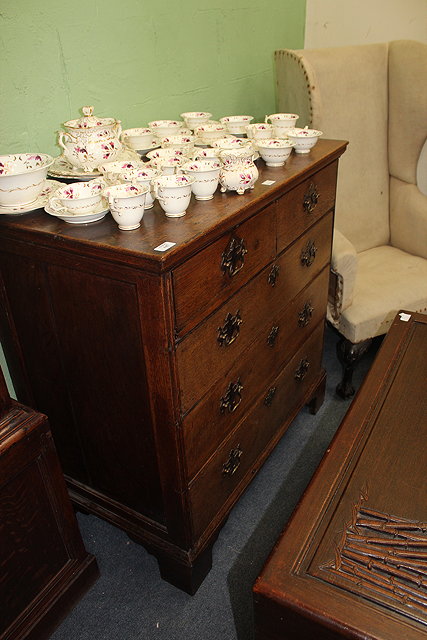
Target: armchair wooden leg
x,y
349,355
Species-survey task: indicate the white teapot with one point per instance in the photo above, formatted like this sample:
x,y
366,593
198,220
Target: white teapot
x,y
238,169
89,141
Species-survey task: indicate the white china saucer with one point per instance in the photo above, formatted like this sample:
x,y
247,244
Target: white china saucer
x,y
81,218
61,168
48,190
142,152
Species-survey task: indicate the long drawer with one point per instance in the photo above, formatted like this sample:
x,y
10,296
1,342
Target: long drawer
x,y
201,352
304,205
216,486
207,279
214,417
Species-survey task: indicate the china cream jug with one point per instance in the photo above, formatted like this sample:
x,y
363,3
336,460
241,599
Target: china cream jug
x,y
89,141
238,170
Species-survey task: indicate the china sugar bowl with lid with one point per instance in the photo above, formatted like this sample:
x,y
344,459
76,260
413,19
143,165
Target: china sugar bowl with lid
x,y
206,177
303,139
236,124
274,151
173,194
126,202
90,140
194,118
22,177
143,176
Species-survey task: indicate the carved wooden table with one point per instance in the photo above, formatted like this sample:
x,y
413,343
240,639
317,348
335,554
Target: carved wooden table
x,y
352,562
44,567
169,375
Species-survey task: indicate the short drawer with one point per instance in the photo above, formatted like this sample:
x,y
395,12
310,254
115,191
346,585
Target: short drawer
x,y
220,482
247,312
204,281
306,203
216,415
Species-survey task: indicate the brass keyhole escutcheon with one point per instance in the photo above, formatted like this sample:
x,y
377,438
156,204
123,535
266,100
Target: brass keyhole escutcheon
x,y
230,467
271,339
232,397
301,370
311,198
305,315
230,330
233,257
269,397
308,254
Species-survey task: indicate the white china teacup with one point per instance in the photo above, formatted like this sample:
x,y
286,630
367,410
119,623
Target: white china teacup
x,y
162,128
144,177
259,130
236,124
126,203
194,118
281,123
274,151
112,170
78,197
174,194
206,177
137,138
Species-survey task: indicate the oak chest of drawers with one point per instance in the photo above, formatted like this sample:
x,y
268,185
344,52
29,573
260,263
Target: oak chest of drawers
x,y
168,376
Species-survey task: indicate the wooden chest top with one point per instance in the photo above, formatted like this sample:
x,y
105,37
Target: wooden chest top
x,y
352,562
204,222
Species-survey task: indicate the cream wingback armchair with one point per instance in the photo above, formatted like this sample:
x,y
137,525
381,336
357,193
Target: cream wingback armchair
x,y
374,96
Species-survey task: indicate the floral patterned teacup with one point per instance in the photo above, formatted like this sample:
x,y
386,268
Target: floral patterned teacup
x,y
22,177
195,118
236,124
281,123
174,194
143,176
112,170
78,197
206,177
259,130
127,202
137,138
162,128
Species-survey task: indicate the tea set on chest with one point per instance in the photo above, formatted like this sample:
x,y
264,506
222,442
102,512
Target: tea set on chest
x,y
125,171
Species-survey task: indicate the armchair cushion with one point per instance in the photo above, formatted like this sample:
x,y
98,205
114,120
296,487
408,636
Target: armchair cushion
x,y
387,280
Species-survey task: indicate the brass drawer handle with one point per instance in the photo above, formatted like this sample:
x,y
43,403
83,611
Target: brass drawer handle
x,y
231,329
311,198
273,275
301,370
305,315
308,254
272,336
230,467
233,257
232,397
269,397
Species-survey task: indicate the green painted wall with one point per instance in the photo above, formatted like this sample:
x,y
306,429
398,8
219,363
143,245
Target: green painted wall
x,y
136,61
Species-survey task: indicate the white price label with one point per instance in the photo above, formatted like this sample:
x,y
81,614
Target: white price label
x,y
165,246
268,182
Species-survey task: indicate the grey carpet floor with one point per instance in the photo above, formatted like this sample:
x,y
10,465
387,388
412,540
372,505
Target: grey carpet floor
x,y
131,602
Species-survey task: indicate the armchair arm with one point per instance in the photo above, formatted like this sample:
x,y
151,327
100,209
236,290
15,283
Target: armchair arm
x,y
343,276
408,218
